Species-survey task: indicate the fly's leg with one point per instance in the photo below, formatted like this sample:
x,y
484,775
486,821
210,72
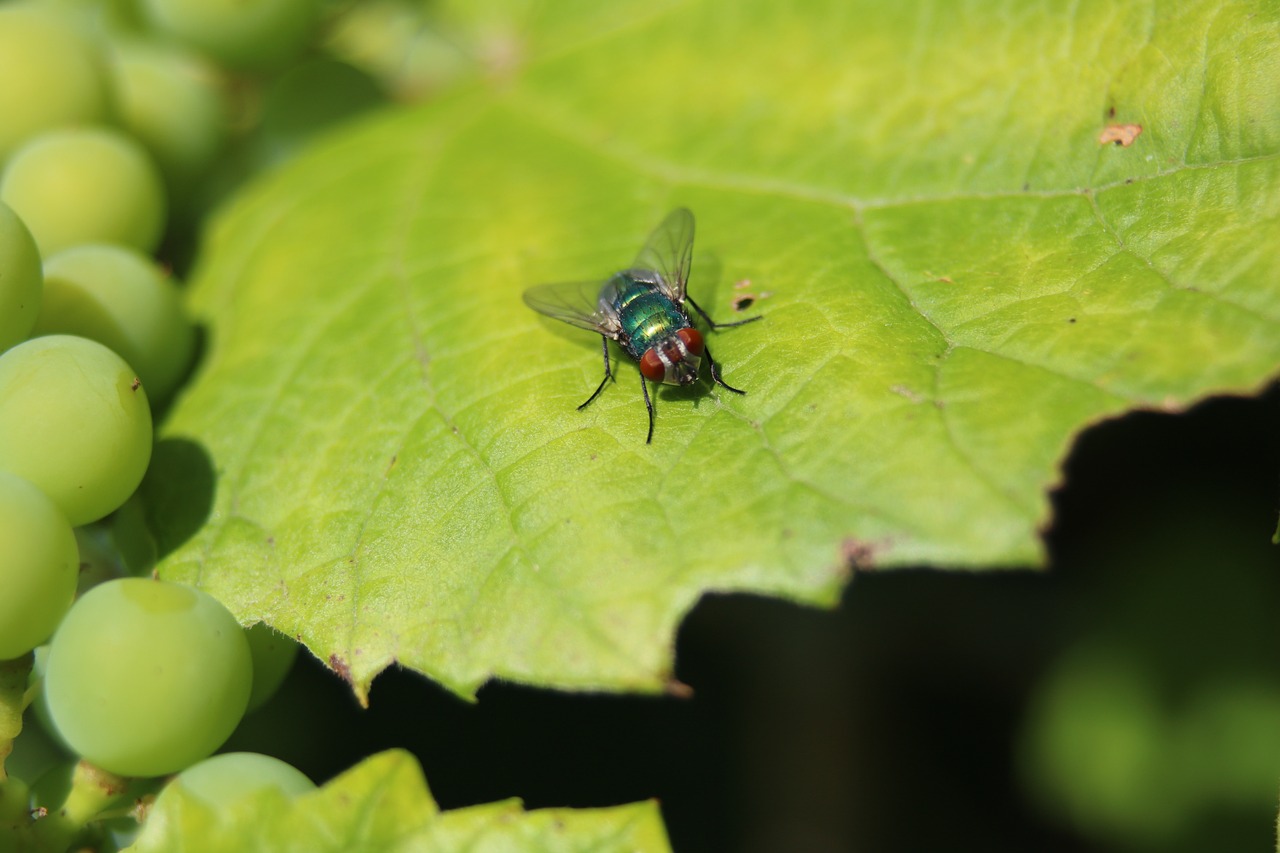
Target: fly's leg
x,y
707,351
714,325
715,371
648,404
604,345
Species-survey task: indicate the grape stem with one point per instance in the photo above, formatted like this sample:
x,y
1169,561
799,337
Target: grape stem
x,y
92,791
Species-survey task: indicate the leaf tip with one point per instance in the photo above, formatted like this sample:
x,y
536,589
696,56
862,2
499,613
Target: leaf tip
x,y
343,670
677,689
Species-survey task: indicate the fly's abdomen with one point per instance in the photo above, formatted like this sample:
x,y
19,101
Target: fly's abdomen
x,y
645,313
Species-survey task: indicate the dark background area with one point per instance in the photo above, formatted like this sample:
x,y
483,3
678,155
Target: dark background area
x,y
893,722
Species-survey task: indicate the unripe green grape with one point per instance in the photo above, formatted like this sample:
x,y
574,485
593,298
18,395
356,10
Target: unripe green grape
x,y
50,75
173,102
75,422
85,185
20,279
147,677
273,656
224,780
119,297
38,569
405,47
237,34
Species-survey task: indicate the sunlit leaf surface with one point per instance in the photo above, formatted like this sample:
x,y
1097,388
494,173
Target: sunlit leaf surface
x,y
960,262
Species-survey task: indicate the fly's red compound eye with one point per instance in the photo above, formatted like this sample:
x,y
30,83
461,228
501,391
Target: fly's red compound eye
x,y
692,340
652,367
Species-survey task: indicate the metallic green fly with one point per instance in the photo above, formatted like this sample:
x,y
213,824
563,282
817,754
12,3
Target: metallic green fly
x,y
642,308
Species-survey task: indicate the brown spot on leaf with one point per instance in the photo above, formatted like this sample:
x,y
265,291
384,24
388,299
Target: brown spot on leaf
x,y
1120,134
860,555
743,301
339,666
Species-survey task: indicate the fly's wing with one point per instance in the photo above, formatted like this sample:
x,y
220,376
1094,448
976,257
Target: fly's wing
x,y
574,302
669,252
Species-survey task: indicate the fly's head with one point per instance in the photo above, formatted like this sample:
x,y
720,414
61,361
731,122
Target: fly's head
x,y
674,360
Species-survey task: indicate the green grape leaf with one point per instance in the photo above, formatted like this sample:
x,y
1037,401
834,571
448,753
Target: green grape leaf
x,y
972,230
382,804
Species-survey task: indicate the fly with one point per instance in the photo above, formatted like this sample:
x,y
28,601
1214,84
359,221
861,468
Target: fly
x,y
643,309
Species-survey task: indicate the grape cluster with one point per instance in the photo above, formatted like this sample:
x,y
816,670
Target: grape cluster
x,y
121,123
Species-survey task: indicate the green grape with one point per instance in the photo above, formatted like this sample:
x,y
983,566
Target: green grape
x,y
273,655
147,677
224,780
413,49
85,185
119,297
39,569
173,102
50,76
75,422
19,279
237,34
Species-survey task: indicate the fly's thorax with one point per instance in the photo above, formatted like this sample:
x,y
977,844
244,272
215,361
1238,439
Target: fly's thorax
x,y
674,360
645,313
